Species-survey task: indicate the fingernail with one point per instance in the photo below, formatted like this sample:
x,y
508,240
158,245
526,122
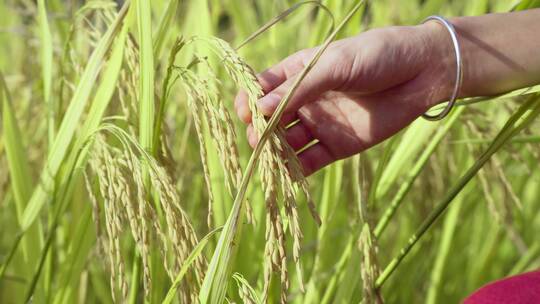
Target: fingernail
x,y
269,103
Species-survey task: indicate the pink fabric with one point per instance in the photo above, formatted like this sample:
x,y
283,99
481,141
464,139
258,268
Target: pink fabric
x,y
520,289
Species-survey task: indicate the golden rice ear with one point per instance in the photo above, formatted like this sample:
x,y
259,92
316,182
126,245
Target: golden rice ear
x,y
126,200
245,291
279,180
370,270
104,167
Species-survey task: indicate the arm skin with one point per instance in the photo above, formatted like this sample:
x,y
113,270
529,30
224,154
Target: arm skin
x,y
366,88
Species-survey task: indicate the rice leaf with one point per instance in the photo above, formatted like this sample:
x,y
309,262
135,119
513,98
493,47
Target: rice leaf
x,y
68,126
164,27
19,168
19,172
46,70
146,81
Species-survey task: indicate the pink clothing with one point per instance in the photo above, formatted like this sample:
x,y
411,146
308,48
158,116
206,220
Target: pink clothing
x,y
520,289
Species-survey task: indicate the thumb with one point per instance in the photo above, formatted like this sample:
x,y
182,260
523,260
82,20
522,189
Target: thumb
x,y
321,79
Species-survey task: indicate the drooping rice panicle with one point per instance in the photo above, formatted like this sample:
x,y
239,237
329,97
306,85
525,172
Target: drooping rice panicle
x,y
277,154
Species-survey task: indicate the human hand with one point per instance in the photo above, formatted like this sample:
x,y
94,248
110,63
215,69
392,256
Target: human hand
x,y
363,90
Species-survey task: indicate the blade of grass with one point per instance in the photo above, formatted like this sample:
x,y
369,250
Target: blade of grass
x,y
21,181
46,48
146,81
215,282
17,160
324,258
164,26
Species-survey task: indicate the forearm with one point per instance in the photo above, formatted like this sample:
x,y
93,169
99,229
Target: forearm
x,y
501,52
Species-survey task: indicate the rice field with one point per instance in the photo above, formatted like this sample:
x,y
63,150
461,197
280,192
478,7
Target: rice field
x,y
126,177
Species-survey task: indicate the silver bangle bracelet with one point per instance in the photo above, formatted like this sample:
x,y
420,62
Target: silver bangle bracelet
x,y
459,69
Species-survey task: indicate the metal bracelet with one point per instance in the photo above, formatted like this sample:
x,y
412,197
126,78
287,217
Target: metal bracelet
x,y
459,68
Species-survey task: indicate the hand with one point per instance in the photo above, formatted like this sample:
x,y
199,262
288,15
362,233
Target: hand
x,y
363,90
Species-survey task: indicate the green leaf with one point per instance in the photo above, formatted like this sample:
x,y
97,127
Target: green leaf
x,y
146,80
19,171
46,49
71,119
164,27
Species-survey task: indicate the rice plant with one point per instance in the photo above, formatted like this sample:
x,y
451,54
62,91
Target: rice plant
x,y
126,177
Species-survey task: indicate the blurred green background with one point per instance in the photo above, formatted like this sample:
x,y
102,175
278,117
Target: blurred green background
x,y
489,231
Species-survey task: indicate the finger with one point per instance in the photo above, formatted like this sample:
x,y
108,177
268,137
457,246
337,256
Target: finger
x,y
314,158
252,136
244,113
298,136
242,107
320,79
287,119
274,76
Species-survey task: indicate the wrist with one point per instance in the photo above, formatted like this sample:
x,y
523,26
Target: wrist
x,y
441,64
